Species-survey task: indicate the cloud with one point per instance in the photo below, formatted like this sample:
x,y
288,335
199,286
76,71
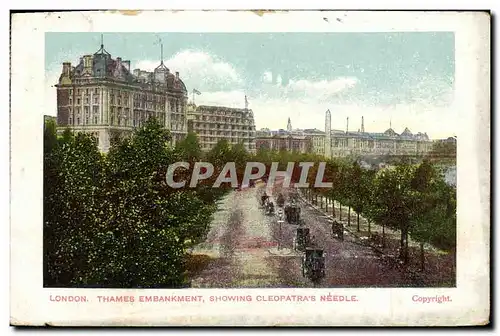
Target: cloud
x,y
234,98
433,90
319,90
199,70
267,77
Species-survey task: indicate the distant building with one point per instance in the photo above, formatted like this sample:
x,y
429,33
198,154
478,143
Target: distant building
x,y
213,123
317,140
449,140
346,143
103,97
289,139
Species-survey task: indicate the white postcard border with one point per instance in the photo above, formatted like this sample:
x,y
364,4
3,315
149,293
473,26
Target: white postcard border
x,y
30,303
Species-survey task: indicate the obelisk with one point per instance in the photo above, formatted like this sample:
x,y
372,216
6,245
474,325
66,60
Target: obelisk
x,y
328,134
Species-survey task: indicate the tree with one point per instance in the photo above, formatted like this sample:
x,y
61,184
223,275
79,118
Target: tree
x,y
111,221
336,179
151,226
343,186
447,148
361,183
434,219
220,153
73,174
397,201
189,148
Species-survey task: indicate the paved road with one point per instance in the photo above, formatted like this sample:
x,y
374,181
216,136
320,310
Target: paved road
x,y
242,243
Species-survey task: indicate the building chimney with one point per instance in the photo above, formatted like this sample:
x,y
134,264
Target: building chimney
x,y
177,75
347,127
127,65
66,68
119,60
362,124
87,61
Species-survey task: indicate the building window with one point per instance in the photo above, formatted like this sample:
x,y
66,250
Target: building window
x,y
78,121
70,92
95,90
70,120
78,101
87,110
87,91
96,100
95,120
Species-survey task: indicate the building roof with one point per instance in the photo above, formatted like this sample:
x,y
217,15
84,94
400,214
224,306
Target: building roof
x,y
104,66
390,132
222,108
407,132
313,131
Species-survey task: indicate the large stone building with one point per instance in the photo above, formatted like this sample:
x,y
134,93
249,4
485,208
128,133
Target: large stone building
x,y
213,123
102,96
316,139
289,139
347,143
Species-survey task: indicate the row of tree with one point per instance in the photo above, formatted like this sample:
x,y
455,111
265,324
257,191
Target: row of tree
x,y
413,199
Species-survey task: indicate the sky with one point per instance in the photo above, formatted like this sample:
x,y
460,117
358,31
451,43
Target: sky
x,y
403,79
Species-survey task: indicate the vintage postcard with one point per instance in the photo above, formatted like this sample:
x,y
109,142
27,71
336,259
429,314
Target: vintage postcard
x,y
250,168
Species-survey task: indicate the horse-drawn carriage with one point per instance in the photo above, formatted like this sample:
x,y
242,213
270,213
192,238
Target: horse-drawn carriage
x,y
302,239
280,201
376,239
263,199
270,208
313,264
292,214
337,230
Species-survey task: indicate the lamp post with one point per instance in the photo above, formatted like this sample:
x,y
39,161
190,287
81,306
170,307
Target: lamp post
x,y
280,222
